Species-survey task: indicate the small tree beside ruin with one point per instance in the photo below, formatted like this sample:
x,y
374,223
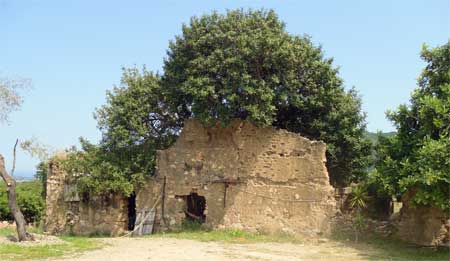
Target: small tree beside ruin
x,y
10,100
358,201
417,158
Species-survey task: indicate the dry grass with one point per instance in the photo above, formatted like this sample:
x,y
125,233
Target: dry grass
x,y
371,247
229,236
381,248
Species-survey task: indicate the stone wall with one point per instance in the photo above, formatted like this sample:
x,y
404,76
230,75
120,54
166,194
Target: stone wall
x,y
255,179
67,212
422,225
55,219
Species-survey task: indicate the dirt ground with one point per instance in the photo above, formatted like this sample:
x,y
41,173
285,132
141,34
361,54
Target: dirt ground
x,y
137,249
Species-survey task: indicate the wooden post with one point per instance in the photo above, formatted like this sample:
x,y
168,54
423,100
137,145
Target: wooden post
x,y
225,187
163,197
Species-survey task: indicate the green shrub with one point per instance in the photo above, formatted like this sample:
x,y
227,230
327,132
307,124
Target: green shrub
x,y
29,198
379,203
417,158
191,225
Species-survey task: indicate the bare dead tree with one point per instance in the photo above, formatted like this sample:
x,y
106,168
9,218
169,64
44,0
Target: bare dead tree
x,y
12,197
11,100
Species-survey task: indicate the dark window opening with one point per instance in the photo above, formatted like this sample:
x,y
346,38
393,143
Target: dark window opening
x,y
195,207
131,211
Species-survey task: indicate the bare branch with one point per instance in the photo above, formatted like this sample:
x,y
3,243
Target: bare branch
x,y
3,173
10,95
35,148
14,158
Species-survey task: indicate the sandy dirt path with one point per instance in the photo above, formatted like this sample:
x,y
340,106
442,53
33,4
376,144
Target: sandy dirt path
x,y
137,249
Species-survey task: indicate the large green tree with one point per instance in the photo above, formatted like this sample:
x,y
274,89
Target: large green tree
x,y
243,64
239,65
418,157
136,122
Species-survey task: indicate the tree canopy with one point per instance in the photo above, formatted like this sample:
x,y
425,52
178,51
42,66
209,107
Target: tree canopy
x,y
418,156
244,64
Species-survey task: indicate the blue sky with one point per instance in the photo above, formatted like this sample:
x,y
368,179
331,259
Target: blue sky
x,y
74,51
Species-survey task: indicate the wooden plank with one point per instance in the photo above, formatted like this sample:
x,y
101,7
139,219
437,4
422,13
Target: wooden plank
x,y
138,231
147,227
71,193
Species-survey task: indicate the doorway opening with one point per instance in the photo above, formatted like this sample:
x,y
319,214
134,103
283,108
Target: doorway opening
x,y
131,211
195,207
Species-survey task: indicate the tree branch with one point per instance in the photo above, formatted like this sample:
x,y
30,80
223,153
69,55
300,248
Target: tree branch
x,y
3,173
14,158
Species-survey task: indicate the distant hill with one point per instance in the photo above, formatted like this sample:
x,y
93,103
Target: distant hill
x,y
24,175
373,136
24,178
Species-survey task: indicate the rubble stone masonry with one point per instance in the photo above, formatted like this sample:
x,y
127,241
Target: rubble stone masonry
x,y
255,179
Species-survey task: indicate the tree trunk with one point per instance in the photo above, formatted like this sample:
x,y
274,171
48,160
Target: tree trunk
x,y
12,203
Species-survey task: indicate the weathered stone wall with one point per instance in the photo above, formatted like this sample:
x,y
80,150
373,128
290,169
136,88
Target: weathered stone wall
x,y
422,225
69,213
278,182
55,220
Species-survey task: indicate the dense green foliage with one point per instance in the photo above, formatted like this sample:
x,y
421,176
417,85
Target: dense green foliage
x,y
95,171
29,199
245,65
134,124
239,65
418,157
41,175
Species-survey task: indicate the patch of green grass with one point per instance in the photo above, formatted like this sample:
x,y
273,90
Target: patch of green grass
x,y
376,247
70,246
228,236
372,247
11,231
7,231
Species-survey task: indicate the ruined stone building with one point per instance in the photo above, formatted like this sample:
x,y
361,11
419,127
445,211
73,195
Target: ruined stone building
x,y
422,225
239,177
256,179
68,212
